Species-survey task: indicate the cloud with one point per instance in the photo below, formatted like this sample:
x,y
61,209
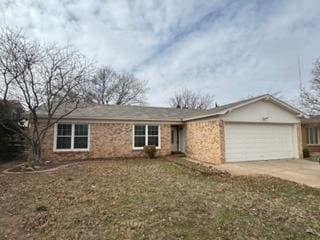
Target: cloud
x,y
231,49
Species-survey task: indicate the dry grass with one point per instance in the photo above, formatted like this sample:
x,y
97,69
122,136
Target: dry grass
x,y
154,199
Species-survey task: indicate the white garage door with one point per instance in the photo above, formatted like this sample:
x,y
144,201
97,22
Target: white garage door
x,y
250,142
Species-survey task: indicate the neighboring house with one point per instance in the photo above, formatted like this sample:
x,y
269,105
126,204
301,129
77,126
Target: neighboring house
x,y
10,110
11,143
310,135
259,128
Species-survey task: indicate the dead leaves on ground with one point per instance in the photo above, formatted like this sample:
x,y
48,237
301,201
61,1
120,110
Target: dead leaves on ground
x,y
155,199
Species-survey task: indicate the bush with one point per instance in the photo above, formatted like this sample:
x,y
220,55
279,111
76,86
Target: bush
x,y
306,153
41,208
150,150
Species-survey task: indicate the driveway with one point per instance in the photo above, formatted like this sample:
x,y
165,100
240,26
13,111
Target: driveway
x,y
300,171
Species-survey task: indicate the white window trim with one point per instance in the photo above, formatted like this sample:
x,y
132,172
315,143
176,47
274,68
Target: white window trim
x,y
72,149
146,136
308,137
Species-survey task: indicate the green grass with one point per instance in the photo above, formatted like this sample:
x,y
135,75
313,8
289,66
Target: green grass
x,y
154,199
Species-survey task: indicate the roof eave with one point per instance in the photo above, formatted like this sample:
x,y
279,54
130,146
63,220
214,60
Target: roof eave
x,y
203,116
116,119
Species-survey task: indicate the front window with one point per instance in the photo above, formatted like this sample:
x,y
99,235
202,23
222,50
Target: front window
x,y
72,136
64,136
312,135
146,135
139,136
153,135
80,136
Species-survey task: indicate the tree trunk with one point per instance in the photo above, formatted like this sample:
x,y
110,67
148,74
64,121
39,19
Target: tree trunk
x,y
5,93
35,157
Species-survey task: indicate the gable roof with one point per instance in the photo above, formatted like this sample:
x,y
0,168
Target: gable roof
x,y
146,113
224,109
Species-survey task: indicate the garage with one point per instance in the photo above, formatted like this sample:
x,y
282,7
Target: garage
x,y
254,129
259,141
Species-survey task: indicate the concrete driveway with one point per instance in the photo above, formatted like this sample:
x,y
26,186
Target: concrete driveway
x,y
300,171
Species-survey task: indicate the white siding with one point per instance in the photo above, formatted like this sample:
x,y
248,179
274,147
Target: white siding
x,y
249,142
261,111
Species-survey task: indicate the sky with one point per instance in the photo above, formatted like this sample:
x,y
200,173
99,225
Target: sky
x,y
231,49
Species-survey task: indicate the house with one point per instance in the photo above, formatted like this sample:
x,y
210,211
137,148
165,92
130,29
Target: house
x,y
310,135
10,110
260,128
12,143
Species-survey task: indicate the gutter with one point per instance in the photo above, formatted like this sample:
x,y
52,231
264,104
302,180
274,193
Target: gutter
x,y
175,121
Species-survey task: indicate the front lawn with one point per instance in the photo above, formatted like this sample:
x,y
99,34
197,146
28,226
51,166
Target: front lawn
x,y
154,199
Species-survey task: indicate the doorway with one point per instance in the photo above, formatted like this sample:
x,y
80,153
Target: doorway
x,y
175,139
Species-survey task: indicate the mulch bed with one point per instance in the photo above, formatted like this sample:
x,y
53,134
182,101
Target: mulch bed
x,y
46,166
198,167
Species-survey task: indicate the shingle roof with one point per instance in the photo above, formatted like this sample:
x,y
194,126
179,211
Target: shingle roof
x,y
217,110
146,113
311,119
128,112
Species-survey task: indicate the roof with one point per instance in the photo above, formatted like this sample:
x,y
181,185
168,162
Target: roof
x,y
311,119
146,113
128,112
231,106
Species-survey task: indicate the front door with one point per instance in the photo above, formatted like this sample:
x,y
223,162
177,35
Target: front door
x,y
174,139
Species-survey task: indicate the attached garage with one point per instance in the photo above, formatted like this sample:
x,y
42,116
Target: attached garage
x,y
255,129
260,141
266,129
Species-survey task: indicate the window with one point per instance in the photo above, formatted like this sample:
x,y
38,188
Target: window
x,y
146,135
312,135
64,136
72,136
153,135
139,136
81,136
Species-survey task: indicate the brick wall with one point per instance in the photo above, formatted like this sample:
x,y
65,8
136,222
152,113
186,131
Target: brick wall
x,y
300,139
205,141
107,140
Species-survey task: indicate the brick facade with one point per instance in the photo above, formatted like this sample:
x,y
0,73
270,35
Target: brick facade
x,y
300,139
107,140
205,141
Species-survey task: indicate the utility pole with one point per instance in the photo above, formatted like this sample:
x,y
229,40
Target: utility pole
x,y
299,71
300,80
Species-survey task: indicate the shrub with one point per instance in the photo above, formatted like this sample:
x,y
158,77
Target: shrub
x,y
306,153
150,150
41,208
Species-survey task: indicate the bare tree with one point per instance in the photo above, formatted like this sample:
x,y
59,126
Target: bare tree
x,y
310,96
191,100
102,86
48,83
10,42
110,87
129,90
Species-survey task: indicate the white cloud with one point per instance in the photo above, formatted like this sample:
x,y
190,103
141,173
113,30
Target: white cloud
x,y
230,48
